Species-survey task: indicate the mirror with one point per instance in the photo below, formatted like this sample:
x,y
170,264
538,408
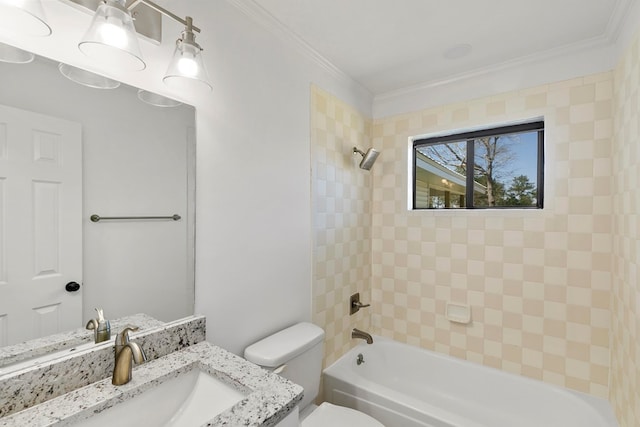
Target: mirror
x,y
32,352
137,160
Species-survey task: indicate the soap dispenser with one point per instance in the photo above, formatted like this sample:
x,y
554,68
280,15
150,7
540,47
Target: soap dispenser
x,y
101,327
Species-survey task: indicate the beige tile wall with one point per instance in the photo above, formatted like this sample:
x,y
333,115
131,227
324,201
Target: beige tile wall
x,y
341,197
538,282
625,327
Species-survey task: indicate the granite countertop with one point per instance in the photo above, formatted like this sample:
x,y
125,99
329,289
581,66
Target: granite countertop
x,y
269,397
67,340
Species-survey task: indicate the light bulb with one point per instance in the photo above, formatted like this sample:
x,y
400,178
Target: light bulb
x,y
113,33
111,37
187,66
186,69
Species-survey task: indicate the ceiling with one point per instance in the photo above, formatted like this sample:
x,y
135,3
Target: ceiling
x,y
389,45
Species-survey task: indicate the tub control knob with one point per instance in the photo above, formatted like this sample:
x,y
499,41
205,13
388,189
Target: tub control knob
x,y
355,304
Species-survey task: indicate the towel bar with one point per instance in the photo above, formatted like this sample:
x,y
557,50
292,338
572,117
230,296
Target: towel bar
x,y
96,218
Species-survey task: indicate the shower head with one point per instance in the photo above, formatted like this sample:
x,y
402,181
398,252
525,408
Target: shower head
x,y
368,158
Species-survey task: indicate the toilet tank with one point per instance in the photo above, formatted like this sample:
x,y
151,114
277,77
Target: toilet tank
x,y
299,348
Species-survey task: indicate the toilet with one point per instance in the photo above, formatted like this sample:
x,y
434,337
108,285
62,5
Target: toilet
x,y
296,354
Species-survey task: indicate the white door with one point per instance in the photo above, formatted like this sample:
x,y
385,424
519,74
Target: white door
x,y
40,225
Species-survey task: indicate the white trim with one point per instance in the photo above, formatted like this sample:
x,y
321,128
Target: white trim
x,y
594,55
627,28
480,127
516,63
270,23
429,165
620,18
519,74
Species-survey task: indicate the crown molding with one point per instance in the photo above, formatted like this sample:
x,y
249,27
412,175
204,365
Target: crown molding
x,y
603,52
616,29
514,64
627,26
261,16
618,19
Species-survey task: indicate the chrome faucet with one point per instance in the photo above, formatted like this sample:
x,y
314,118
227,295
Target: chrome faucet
x,y
125,352
357,333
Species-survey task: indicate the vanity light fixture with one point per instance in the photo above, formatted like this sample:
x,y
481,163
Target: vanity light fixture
x,y
87,78
13,55
24,17
112,38
187,65
157,100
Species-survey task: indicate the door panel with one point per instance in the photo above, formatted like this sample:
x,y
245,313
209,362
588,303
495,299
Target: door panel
x,y
40,225
46,230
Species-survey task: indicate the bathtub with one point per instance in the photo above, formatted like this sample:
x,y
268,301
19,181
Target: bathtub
x,y
405,386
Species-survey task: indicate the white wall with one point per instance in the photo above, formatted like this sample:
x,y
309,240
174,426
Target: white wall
x,y
253,270
253,243
134,163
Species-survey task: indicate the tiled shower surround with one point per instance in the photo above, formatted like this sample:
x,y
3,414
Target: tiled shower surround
x,y
554,293
537,281
342,220
625,325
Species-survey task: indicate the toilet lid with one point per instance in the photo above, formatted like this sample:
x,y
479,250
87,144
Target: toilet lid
x,y
338,416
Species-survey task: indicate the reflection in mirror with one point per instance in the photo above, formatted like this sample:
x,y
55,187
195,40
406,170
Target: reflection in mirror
x,y
13,55
156,100
134,159
87,78
21,355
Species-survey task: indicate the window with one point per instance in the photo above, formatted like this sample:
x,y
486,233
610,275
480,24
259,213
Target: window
x,y
492,168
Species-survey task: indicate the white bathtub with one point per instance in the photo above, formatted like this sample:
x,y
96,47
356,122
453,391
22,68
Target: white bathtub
x,y
406,386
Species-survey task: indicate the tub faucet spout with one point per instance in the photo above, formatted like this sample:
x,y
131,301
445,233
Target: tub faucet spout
x,y
357,333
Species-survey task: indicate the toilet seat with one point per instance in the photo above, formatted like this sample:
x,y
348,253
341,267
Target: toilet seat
x,y
338,416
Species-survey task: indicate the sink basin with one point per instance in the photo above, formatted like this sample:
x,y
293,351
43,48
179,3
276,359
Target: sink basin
x,y
190,399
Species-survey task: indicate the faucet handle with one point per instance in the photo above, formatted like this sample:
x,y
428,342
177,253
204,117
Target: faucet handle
x,y
355,304
93,323
359,304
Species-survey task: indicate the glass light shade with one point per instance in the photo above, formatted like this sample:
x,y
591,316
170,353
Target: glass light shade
x,y
25,17
157,100
112,39
87,78
186,69
14,55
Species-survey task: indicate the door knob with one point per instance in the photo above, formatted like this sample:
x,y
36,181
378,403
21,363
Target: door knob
x,y
72,287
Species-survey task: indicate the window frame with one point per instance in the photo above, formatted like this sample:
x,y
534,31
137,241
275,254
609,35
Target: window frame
x,y
469,137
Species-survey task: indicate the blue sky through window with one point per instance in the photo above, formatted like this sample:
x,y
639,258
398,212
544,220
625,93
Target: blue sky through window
x,y
525,157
